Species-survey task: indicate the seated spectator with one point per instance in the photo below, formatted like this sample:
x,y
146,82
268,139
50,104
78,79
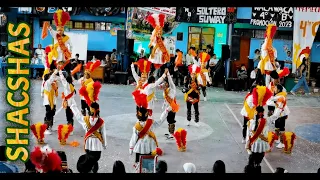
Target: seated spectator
x,y
219,167
30,167
6,167
189,168
86,164
161,167
242,74
118,167
280,170
249,169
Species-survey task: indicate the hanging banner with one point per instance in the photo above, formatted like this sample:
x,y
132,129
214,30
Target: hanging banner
x,y
307,20
139,29
280,16
170,43
205,15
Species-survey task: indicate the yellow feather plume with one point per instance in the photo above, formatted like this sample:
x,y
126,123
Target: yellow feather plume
x,y
90,90
59,16
38,128
261,90
64,131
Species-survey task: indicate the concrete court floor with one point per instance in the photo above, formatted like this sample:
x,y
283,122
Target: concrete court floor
x,y
218,137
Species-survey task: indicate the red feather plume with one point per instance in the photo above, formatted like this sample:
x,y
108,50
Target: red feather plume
x,y
255,97
70,129
65,17
184,137
96,86
83,92
151,21
177,136
46,162
88,65
95,65
285,72
159,151
140,98
42,130
162,18
267,96
59,131
33,129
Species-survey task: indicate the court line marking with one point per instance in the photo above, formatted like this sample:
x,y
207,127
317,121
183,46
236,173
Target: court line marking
x,y
235,117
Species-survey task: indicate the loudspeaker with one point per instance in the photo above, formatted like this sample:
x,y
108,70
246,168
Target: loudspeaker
x,y
235,48
232,84
179,36
121,77
225,52
121,41
129,46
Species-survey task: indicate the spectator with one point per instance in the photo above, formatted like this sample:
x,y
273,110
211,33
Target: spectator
x,y
189,168
142,54
86,164
256,58
302,75
118,168
249,169
212,64
74,62
318,77
280,170
253,75
108,67
114,59
219,167
6,167
243,76
35,61
161,167
30,167
210,50
39,51
288,61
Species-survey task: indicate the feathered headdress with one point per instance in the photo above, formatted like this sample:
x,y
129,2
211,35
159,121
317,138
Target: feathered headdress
x,y
260,95
272,136
204,57
91,66
64,132
270,31
181,139
288,139
194,69
90,92
284,72
61,18
144,67
140,98
45,159
157,152
156,20
38,131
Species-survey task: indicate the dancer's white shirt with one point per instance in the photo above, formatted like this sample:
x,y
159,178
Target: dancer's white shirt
x,y
259,146
250,104
172,92
60,52
146,144
92,143
280,110
47,87
150,88
66,86
264,53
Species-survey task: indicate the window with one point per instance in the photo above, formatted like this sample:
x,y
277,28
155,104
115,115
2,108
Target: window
x,y
200,37
78,25
69,25
89,25
100,26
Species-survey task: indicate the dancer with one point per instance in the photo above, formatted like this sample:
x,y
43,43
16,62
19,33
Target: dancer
x,y
90,89
280,114
268,53
159,55
247,112
144,68
257,141
61,50
203,76
150,88
49,92
192,93
143,140
95,138
169,94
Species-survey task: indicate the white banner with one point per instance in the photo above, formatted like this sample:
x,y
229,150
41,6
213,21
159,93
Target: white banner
x,y
306,23
165,10
171,45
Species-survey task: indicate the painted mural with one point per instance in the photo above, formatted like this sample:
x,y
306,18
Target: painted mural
x,y
139,29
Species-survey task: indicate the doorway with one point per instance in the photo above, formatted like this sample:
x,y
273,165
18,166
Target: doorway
x,y
200,37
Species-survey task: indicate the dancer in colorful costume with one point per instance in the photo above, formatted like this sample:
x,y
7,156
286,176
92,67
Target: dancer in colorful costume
x,y
192,93
280,114
169,94
144,140
181,139
61,50
46,159
38,131
49,92
203,76
257,139
248,112
268,53
144,68
159,55
90,89
95,138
